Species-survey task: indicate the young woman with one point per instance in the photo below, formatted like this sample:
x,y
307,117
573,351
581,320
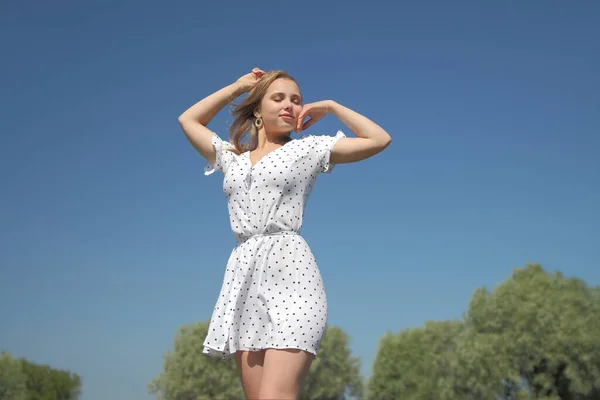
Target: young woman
x,y
271,312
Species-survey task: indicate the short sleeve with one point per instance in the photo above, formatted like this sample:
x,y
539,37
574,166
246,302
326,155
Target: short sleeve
x,y
223,156
323,146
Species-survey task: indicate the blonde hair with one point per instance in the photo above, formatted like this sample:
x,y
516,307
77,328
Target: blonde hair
x,y
243,113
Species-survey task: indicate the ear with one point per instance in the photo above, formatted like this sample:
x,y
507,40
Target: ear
x,y
257,113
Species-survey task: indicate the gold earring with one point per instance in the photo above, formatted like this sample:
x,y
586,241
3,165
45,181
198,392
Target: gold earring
x,y
258,122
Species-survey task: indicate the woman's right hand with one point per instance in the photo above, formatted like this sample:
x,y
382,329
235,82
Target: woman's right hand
x,y
248,81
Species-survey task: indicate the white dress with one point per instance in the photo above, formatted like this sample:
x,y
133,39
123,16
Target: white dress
x,y
272,294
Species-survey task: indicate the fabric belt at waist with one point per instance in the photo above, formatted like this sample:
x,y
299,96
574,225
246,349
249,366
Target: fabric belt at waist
x,y
259,235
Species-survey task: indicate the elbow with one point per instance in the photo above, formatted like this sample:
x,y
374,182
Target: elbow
x,y
386,141
185,120
182,119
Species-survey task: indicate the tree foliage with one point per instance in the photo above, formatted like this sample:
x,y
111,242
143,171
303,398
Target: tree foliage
x,y
24,380
190,374
12,378
536,336
544,330
334,374
416,363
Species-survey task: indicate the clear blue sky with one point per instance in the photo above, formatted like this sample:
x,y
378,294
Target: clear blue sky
x,y
111,237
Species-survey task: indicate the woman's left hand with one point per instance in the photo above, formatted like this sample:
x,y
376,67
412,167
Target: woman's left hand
x,y
315,111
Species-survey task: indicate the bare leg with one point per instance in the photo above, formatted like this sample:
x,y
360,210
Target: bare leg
x,y
250,368
284,373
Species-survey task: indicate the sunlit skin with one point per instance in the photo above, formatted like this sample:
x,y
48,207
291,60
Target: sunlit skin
x,y
279,111
280,373
281,107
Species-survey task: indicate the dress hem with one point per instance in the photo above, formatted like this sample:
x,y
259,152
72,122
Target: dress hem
x,y
228,355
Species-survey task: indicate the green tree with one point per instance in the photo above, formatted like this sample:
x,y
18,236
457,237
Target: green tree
x,y
46,383
23,380
190,374
334,374
12,378
416,363
536,336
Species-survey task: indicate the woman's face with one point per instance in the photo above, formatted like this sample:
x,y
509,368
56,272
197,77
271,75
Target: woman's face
x,y
281,106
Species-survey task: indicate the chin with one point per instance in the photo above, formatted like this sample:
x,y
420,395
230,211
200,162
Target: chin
x,y
282,129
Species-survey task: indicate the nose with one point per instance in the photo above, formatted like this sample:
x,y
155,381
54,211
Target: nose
x,y
287,105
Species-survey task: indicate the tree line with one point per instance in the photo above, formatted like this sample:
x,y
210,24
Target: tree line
x,y
23,380
535,336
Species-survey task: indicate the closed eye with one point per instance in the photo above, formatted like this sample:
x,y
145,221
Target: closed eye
x,y
280,96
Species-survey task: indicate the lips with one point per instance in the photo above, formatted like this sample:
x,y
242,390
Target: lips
x,y
287,117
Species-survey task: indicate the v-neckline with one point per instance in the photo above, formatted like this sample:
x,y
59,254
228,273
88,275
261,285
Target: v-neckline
x,y
265,155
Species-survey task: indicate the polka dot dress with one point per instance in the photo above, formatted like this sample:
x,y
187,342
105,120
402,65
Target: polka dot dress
x,y
272,294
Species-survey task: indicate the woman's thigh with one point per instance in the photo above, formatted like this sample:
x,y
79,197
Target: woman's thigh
x,y
284,372
250,368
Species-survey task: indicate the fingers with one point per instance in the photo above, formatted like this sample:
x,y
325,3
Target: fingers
x,y
258,72
308,124
301,117
305,125
307,111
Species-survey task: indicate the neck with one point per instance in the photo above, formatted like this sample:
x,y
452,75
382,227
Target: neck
x,y
266,140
